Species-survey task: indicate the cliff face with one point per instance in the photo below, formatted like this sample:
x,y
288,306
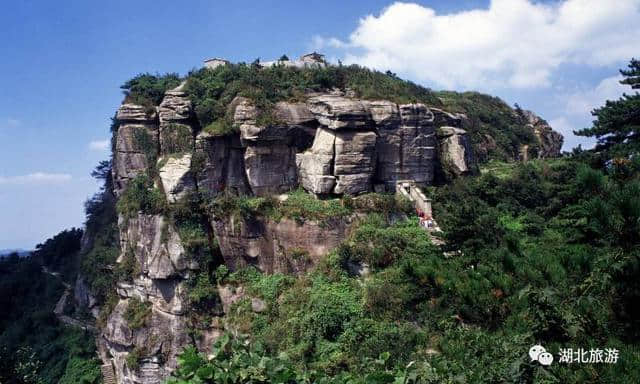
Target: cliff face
x,y
549,141
331,144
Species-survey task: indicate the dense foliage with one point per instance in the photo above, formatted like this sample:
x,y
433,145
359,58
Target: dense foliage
x,y
300,206
547,253
617,123
497,130
213,90
59,253
147,89
34,347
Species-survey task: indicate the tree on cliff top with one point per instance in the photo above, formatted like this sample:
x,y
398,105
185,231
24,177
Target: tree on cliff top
x,y
617,123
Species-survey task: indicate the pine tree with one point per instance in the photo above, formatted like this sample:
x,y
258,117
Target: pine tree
x,y
632,74
617,123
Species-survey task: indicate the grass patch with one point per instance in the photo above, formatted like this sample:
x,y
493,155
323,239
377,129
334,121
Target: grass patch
x,y
137,313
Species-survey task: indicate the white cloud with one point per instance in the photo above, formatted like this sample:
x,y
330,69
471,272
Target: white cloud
x,y
576,107
36,178
99,145
582,102
513,43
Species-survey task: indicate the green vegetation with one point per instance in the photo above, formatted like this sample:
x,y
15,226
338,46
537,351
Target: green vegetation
x,y
137,313
148,90
134,358
547,255
491,116
97,263
141,196
616,124
212,90
146,144
302,206
34,346
60,252
176,139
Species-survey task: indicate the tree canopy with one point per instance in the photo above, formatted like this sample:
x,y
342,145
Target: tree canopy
x,y
617,123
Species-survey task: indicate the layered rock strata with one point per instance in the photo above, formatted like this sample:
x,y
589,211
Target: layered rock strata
x,y
331,144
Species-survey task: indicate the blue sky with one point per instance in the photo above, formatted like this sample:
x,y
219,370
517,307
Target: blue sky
x,y
64,62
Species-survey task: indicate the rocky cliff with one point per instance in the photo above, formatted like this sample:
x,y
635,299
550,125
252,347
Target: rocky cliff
x,y
330,144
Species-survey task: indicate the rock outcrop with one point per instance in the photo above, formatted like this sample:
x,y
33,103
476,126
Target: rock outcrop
x,y
176,127
136,136
455,152
330,144
284,246
176,177
549,141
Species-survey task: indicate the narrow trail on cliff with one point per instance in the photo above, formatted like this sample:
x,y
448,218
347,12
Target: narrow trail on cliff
x,y
58,310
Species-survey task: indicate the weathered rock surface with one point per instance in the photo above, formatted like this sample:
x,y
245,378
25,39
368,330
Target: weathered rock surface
x,y
166,295
355,158
270,168
175,175
156,246
175,106
443,118
176,127
83,297
136,130
220,164
159,342
286,246
550,141
455,151
315,167
338,112
135,113
294,114
409,151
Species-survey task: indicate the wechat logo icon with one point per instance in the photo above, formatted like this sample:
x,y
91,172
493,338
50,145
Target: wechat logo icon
x,y
539,354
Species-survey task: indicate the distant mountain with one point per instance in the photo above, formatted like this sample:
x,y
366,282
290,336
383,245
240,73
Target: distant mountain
x,y
21,252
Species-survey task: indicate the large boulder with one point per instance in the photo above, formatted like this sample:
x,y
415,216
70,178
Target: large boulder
x,y
245,118
166,295
294,114
315,166
338,112
455,152
176,122
128,113
176,177
340,162
355,157
157,343
269,157
443,118
385,114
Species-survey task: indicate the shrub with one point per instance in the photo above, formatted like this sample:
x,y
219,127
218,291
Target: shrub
x,y
148,90
134,358
137,313
141,196
176,138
